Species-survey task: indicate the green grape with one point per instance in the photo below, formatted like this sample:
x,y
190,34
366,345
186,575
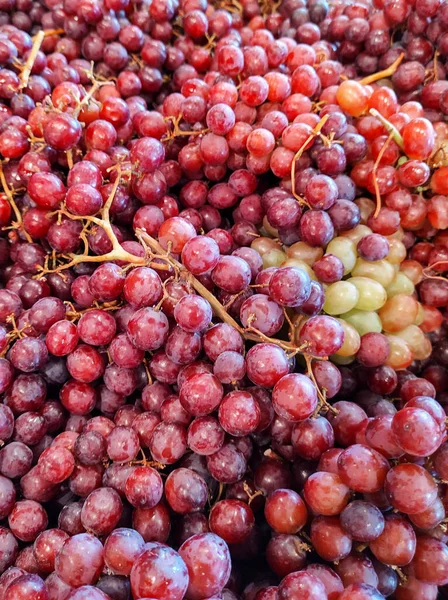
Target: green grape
x,y
342,360
357,233
401,284
352,340
300,264
271,231
372,295
364,321
273,258
366,207
340,297
397,251
381,271
345,249
420,315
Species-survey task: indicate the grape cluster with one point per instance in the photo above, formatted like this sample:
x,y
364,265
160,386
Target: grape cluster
x,y
223,336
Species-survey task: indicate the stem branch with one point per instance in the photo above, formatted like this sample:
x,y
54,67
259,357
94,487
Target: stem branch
x,y
25,75
18,222
383,74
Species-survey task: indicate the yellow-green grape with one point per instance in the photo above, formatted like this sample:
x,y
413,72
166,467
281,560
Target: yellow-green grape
x,y
273,258
272,231
398,312
398,235
340,297
417,341
352,340
400,354
400,285
366,208
345,249
380,270
372,295
397,252
357,233
295,262
342,360
264,244
303,251
364,321
420,315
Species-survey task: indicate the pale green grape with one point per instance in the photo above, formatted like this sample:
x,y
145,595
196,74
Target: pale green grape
x,y
345,249
401,284
342,360
357,233
364,321
300,264
340,297
372,295
352,340
380,270
273,258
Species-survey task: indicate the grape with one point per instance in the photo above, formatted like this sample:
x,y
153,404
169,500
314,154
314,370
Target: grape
x,y
294,397
158,571
362,468
80,560
46,546
239,413
396,545
201,394
301,585
326,494
232,520
121,549
362,521
101,511
266,364
144,487
285,511
398,483
27,519
185,491
27,586
205,582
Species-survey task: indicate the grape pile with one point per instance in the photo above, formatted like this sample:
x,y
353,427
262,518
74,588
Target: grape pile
x,y
223,333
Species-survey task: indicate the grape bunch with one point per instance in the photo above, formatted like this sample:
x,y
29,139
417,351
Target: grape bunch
x,y
223,299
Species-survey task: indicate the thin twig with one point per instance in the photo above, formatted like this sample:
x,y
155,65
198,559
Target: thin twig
x,y
18,224
383,74
25,74
389,127
299,153
374,171
249,333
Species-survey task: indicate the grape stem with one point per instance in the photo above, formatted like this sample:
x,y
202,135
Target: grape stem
x,y
299,153
389,127
49,32
383,74
25,74
18,223
321,394
427,270
117,252
249,333
374,171
92,91
176,131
